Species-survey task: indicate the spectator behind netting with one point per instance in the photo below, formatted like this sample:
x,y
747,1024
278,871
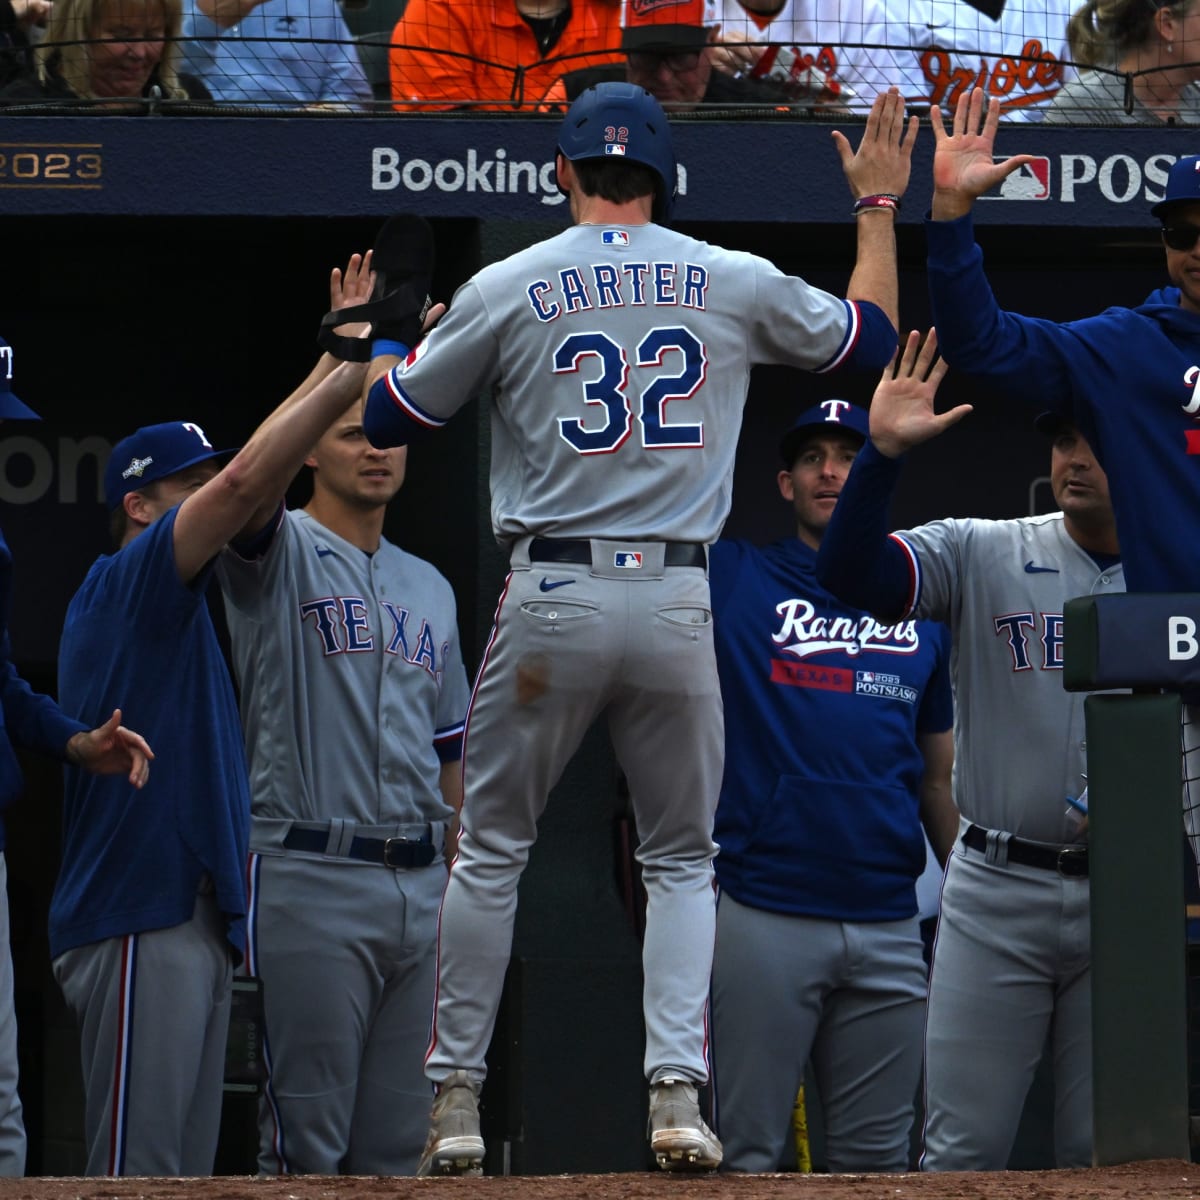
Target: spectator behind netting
x,y
111,52
17,19
845,51
496,54
1155,47
668,48
838,54
275,53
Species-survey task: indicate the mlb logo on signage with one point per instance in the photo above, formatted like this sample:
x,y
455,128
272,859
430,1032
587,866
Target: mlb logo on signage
x,y
1029,182
627,558
614,148
615,237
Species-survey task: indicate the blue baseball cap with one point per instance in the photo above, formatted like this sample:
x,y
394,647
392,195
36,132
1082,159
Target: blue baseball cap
x,y
826,416
1183,184
152,453
11,409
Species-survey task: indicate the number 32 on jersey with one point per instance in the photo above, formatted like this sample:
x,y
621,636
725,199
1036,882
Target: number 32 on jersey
x,y
605,374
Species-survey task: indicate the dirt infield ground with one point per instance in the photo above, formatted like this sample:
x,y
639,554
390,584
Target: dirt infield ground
x,y
1168,1179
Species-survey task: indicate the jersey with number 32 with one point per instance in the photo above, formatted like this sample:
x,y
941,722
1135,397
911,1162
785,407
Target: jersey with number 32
x,y
617,360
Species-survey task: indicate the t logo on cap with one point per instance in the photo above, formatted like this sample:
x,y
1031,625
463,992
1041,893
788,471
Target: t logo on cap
x,y
11,409
152,453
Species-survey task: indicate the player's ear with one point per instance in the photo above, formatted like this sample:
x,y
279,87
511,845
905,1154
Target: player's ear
x,y
563,172
786,488
137,509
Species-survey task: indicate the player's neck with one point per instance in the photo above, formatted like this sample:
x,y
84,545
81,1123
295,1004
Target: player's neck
x,y
361,527
595,210
1095,539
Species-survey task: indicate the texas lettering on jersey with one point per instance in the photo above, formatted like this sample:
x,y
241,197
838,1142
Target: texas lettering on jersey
x,y
343,624
1047,627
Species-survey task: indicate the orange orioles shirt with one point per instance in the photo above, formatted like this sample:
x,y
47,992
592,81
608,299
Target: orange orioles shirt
x,y
481,53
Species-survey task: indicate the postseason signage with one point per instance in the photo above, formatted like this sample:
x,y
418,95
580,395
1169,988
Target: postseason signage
x,y
1136,640
778,170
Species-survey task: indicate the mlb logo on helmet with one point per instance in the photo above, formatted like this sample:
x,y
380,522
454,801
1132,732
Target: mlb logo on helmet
x,y
11,409
614,148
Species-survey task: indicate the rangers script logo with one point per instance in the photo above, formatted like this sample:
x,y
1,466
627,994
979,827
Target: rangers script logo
x,y
803,633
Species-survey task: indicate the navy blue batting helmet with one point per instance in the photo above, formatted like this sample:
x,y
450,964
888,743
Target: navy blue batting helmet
x,y
626,120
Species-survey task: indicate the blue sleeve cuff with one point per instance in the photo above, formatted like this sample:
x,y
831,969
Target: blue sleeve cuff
x,y
858,562
382,346
877,338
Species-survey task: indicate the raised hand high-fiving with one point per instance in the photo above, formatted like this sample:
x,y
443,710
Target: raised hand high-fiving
x,y
963,159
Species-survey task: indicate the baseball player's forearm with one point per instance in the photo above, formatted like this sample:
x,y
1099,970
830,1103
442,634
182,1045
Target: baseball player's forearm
x,y
874,277
858,562
245,495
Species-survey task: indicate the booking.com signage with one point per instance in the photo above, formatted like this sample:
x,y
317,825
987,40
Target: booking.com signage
x,y
775,170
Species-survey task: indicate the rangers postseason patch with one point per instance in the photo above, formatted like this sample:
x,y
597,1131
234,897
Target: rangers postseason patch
x,y
630,559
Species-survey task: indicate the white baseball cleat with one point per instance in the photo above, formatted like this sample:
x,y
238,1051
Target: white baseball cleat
x,y
454,1146
680,1139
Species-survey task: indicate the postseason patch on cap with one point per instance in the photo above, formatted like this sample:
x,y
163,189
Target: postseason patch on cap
x,y
614,237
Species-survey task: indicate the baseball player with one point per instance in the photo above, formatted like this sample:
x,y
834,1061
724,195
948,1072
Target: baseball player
x,y
353,695
838,746
1011,959
934,52
616,356
1128,377
147,917
34,722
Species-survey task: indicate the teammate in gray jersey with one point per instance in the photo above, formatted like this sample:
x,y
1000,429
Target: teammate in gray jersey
x,y
616,357
1011,961
353,695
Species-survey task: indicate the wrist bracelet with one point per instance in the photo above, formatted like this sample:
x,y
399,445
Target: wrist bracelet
x,y
882,200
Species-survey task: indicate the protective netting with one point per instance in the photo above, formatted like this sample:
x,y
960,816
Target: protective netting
x,y
1124,61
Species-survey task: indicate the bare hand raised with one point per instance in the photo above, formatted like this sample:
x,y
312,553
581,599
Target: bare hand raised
x,y
902,408
884,157
963,166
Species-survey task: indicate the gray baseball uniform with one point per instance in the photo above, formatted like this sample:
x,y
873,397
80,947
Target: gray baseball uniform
x,y
1011,961
617,359
352,691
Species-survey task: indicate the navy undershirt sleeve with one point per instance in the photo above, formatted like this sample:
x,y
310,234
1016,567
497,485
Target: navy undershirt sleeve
x,y
857,560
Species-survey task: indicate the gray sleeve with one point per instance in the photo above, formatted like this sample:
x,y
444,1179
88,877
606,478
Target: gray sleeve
x,y
457,361
938,554
793,323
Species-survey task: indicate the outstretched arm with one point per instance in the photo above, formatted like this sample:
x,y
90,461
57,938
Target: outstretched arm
x,y
858,561
963,168
244,496
879,168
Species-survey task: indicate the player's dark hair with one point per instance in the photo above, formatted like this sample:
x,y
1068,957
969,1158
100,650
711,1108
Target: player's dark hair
x,y
615,179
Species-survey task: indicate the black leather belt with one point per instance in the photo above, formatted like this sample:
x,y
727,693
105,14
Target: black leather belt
x,y
577,550
396,852
1070,860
